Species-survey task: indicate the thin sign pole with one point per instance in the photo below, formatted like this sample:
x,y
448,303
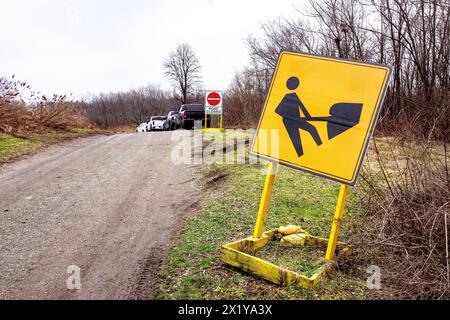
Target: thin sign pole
x,y
265,199
221,115
334,235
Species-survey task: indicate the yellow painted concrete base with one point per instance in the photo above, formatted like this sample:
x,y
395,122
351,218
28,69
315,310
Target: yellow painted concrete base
x,y
240,254
213,130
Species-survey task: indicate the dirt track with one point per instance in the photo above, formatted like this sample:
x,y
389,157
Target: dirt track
x,y
108,204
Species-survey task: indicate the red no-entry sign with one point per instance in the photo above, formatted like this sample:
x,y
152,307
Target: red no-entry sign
x,y
214,102
214,99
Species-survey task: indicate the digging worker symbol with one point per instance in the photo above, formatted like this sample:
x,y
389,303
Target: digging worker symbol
x,y
344,116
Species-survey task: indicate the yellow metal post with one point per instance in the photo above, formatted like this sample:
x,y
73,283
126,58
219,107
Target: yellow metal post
x,y
334,235
265,199
221,121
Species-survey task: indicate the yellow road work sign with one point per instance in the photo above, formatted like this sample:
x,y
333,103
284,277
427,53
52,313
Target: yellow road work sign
x,y
320,114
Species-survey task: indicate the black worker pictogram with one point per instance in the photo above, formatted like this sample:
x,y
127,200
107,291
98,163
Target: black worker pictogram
x,y
343,116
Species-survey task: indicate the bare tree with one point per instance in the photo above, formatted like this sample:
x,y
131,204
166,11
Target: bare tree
x,y
411,36
182,67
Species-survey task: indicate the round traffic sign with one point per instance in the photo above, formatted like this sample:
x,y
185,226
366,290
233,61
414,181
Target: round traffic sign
x,y
214,99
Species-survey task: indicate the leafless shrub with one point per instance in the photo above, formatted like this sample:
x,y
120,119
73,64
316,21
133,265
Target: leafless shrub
x,y
408,196
58,113
244,99
19,117
16,118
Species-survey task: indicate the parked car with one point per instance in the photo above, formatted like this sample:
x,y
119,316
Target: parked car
x,y
172,122
156,123
142,127
189,113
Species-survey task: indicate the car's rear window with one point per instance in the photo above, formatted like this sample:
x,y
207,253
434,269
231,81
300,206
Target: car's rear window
x,y
194,107
158,118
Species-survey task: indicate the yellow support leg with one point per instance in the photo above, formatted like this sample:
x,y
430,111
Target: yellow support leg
x,y
265,200
334,235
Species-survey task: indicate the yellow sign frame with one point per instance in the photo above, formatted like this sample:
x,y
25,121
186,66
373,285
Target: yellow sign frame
x,y
220,129
238,254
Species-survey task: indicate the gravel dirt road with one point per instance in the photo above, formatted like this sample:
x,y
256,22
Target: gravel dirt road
x,y
107,204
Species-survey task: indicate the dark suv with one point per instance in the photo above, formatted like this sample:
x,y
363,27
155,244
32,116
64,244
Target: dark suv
x,y
189,113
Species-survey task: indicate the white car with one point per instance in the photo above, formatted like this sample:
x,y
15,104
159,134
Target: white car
x,y
142,127
156,123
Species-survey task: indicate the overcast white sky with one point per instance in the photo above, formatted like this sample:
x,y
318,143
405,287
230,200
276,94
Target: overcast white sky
x,y
93,46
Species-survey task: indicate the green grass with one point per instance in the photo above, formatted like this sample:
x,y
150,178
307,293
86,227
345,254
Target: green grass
x,y
14,147
193,269
304,260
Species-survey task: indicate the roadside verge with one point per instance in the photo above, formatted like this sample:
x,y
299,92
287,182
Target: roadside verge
x,y
14,147
193,269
